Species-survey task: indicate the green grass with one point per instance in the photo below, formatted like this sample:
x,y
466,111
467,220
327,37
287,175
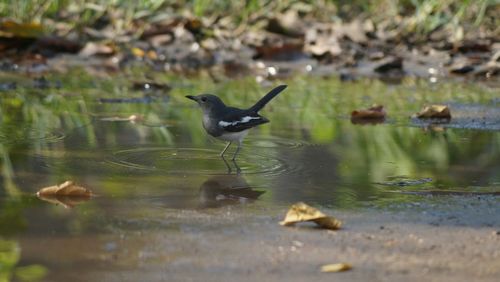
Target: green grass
x,y
410,16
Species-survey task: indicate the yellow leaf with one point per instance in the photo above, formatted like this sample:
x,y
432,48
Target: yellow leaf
x,y
301,212
336,267
138,52
10,28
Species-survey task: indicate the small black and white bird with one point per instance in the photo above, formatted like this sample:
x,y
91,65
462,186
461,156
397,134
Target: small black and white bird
x,y
228,123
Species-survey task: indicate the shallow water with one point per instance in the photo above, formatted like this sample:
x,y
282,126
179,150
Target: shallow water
x,y
148,172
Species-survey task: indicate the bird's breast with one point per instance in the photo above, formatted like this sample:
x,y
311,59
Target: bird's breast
x,y
211,126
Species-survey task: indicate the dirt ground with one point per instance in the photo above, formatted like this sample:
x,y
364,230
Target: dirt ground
x,y
457,240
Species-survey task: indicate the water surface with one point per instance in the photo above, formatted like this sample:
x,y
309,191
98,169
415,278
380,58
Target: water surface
x,y
148,171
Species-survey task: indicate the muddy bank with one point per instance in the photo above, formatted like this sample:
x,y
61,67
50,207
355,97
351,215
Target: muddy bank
x,y
455,240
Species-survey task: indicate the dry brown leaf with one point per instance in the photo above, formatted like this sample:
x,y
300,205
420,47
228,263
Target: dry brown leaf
x,y
97,49
336,267
65,201
301,212
152,55
328,222
135,118
374,112
67,188
434,111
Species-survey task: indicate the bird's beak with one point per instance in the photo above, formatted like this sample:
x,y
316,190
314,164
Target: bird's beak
x,y
192,98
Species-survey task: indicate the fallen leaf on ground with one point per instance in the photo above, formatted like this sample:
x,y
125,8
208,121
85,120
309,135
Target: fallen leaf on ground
x,y
93,49
67,188
301,212
434,111
336,267
374,112
10,28
138,52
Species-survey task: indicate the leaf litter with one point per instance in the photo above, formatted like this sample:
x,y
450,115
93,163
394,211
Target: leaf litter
x,y
301,212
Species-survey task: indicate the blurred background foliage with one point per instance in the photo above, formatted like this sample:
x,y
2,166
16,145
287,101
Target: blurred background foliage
x,y
411,15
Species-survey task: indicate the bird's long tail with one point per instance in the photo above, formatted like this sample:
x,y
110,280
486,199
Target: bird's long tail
x,y
262,102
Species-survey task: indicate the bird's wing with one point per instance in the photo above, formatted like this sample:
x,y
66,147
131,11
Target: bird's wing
x,y
237,121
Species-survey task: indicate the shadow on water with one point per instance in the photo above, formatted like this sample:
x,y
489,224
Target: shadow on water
x,y
145,176
222,190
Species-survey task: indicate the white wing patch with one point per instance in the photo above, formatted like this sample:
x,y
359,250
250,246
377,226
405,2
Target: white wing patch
x,y
243,120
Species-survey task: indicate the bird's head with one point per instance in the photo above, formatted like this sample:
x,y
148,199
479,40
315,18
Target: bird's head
x,y
208,102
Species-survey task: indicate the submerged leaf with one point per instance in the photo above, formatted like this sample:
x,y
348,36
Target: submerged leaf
x,y
336,267
301,212
67,188
434,111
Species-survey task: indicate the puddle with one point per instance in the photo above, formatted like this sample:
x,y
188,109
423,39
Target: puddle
x,y
153,174
482,117
187,161
12,134
404,181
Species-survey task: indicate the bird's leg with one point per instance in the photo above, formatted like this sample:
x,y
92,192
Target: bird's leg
x,y
227,165
238,169
225,149
237,151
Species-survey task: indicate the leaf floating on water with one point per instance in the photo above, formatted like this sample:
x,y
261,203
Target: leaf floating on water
x,y
66,201
132,118
434,111
66,194
336,267
374,112
301,212
135,118
67,188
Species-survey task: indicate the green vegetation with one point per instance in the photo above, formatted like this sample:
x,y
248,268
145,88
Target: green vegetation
x,y
10,254
420,16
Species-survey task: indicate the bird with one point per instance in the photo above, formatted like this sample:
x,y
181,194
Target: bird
x,y
228,123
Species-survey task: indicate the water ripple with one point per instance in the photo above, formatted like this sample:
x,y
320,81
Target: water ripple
x,y
275,142
14,134
194,161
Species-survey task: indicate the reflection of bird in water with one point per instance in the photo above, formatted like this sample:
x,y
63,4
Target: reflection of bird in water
x,y
222,190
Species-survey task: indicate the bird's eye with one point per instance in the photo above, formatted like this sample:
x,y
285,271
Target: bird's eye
x,y
204,99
